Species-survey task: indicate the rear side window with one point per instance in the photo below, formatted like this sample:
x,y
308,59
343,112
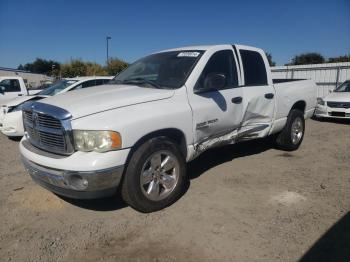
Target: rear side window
x,y
99,82
89,83
11,85
254,68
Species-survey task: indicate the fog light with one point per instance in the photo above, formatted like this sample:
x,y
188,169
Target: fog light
x,y
78,182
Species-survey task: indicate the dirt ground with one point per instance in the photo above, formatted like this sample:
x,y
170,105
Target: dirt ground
x,y
246,202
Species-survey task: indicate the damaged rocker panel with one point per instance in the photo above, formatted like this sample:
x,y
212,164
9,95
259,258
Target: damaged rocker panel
x,y
230,137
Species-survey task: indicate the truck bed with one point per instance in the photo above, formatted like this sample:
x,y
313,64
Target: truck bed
x,y
290,90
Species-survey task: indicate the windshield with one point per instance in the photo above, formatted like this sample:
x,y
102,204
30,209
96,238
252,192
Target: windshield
x,y
344,87
162,70
56,88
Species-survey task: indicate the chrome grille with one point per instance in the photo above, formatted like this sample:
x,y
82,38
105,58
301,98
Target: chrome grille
x,y
338,104
49,121
46,131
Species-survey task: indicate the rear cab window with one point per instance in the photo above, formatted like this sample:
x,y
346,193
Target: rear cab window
x,y
254,68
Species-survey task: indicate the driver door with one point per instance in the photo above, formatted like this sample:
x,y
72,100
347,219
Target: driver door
x,y
217,114
11,88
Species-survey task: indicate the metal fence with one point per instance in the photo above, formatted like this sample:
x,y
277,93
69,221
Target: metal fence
x,y
327,76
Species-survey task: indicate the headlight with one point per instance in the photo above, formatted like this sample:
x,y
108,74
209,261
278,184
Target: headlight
x,y
99,141
320,101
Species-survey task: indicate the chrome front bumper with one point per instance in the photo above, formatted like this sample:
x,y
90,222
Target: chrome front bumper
x,y
75,184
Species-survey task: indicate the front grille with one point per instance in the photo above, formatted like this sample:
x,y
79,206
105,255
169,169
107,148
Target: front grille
x,y
47,132
338,104
49,121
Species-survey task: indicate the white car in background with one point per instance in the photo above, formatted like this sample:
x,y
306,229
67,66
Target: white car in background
x,y
336,104
11,123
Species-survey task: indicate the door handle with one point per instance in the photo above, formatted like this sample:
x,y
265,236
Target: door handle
x,y
269,96
20,94
237,100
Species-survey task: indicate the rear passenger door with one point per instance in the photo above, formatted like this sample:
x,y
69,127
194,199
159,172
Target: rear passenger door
x,y
258,94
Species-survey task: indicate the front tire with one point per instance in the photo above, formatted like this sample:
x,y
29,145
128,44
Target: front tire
x,y
292,135
155,177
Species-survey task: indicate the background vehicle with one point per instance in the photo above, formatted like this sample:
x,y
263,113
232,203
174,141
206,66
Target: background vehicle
x,y
12,87
11,123
336,104
163,110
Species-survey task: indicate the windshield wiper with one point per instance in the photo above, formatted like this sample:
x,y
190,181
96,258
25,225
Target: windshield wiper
x,y
141,81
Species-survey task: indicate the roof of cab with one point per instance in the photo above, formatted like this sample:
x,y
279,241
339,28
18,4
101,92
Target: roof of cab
x,y
207,47
194,47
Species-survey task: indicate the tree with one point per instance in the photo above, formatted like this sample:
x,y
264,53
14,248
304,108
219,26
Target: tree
x,y
308,58
41,66
74,68
115,66
94,69
338,59
269,58
77,67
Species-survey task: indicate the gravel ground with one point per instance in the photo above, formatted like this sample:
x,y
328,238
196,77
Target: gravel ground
x,y
247,202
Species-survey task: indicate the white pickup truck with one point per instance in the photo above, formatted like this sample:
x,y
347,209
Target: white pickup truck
x,y
138,132
12,87
11,120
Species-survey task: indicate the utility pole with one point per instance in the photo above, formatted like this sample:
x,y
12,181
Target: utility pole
x,y
107,38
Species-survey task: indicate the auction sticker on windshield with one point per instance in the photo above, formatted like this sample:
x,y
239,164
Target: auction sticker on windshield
x,y
188,54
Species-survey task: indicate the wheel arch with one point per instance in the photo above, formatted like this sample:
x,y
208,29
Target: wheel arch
x,y
173,134
299,105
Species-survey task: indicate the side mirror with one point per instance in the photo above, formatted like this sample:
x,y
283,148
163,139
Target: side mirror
x,y
2,90
214,81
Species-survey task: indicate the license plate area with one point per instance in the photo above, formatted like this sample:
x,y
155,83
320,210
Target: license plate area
x,y
338,114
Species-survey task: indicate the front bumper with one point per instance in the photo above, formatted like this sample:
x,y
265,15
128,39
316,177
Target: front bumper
x,y
75,184
12,124
329,112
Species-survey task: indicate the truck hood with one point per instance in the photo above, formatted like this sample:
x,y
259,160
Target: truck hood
x,y
21,99
93,100
338,97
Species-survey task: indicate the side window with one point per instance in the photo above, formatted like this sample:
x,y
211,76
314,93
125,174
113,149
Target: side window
x,y
88,84
222,62
254,68
11,85
99,82
75,88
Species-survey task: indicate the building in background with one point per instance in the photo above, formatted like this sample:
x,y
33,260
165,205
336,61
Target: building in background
x,y
327,76
32,80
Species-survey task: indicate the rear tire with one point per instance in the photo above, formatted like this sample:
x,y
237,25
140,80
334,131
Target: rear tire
x,y
155,177
292,135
